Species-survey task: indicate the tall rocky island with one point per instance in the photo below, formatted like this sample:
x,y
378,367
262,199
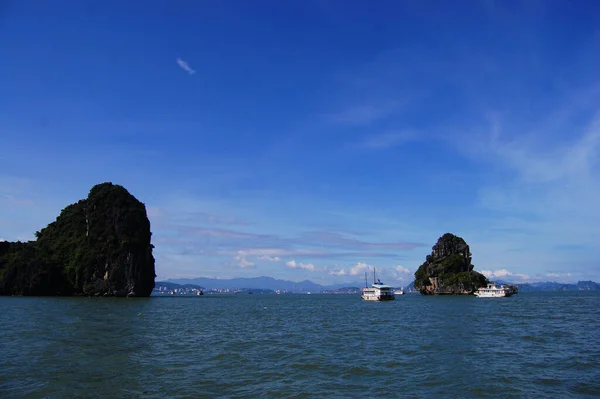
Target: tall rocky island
x,y
448,269
99,246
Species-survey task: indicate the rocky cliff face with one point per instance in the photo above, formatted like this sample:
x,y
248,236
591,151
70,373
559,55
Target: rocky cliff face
x,y
99,246
448,269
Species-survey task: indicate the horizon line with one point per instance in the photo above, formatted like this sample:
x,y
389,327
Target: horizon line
x,y
232,278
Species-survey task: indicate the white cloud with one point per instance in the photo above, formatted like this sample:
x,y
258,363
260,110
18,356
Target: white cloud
x,y
242,261
395,273
298,265
358,269
184,65
270,258
270,255
503,273
390,275
401,269
2,240
559,275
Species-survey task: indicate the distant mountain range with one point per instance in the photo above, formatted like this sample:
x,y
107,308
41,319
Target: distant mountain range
x,y
260,283
271,283
553,286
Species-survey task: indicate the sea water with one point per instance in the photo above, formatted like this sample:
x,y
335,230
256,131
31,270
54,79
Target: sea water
x,y
531,345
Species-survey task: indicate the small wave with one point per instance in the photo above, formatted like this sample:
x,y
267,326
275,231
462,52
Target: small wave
x,y
306,366
229,356
586,388
548,381
356,371
534,338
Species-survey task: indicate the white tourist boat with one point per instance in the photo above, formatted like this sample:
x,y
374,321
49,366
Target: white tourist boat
x,y
377,291
399,292
494,291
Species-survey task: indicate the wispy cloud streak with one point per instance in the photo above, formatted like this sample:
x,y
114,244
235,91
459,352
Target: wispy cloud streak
x,y
365,114
185,66
384,141
341,241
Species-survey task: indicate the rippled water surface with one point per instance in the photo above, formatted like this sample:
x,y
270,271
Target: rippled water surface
x,y
301,346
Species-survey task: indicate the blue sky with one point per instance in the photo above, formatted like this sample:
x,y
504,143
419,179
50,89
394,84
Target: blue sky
x,y
313,139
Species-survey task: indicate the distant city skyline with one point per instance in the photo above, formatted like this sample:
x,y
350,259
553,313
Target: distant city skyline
x,y
313,140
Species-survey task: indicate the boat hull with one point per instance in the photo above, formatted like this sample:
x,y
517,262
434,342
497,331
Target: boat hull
x,y
377,294
493,295
377,298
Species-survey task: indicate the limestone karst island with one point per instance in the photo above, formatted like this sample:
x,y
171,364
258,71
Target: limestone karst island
x,y
448,269
99,246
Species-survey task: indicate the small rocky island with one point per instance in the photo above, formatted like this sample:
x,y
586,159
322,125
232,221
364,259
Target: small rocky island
x,y
99,246
448,269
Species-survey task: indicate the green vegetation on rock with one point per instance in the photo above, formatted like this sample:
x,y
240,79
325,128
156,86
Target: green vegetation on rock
x,y
99,246
448,269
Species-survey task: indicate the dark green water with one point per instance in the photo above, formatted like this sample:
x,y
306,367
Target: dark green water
x,y
532,345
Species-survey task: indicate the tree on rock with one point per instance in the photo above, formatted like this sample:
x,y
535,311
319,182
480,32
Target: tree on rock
x,y
99,246
448,269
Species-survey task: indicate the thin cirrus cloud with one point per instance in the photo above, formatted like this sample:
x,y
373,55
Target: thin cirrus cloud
x,y
215,233
161,214
262,254
365,114
213,219
342,241
277,252
185,66
311,247
559,275
277,245
538,185
384,140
